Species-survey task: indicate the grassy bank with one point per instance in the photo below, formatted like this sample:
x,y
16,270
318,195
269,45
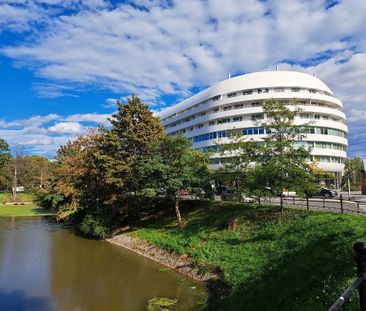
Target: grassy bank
x,y
21,197
297,260
23,210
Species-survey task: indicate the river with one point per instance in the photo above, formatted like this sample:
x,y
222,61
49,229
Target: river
x,y
46,266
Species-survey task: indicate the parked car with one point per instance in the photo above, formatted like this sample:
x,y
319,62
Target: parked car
x,y
327,193
232,194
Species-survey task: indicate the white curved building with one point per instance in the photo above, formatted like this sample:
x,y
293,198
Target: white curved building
x,y
236,103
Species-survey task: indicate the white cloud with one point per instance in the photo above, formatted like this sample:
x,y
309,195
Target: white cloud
x,y
169,47
66,128
43,135
89,117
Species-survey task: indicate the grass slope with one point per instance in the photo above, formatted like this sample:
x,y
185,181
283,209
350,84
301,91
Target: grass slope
x,y
294,261
23,210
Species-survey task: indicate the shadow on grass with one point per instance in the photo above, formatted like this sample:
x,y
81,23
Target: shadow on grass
x,y
297,260
310,276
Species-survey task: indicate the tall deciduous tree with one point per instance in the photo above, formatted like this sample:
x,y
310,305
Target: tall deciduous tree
x,y
172,165
79,177
281,163
238,156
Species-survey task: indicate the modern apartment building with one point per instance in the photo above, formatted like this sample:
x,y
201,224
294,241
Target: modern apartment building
x,y
236,103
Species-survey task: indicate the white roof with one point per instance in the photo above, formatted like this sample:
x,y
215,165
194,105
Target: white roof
x,y
263,79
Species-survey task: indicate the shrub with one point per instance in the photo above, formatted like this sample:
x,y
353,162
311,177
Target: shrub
x,y
48,200
95,226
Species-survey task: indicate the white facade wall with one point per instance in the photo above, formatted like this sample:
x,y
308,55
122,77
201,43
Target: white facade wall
x,y
232,103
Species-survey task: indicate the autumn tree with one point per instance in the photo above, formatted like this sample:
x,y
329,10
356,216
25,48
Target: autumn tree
x,y
79,175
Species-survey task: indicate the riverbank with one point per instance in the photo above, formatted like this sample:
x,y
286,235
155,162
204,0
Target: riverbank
x,y
179,262
23,211
295,260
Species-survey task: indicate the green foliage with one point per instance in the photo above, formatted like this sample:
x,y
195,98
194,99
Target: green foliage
x,y
96,226
173,165
48,200
161,304
4,152
134,129
353,168
295,260
280,163
33,172
238,156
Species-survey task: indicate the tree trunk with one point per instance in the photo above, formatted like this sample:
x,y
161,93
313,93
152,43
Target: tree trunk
x,y
177,213
15,183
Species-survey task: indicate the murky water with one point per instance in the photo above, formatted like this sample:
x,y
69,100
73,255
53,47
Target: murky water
x,y
46,266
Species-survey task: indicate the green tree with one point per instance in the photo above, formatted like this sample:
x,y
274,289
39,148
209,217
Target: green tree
x,y
281,162
238,157
35,172
352,170
134,129
4,153
172,165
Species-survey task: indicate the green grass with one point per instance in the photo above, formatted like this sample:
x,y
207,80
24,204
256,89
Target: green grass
x,y
23,210
294,261
21,197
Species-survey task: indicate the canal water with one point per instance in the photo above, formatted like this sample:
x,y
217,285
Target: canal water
x,y
46,266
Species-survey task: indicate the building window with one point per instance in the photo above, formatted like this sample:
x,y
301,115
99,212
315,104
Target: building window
x,y
237,119
257,116
223,121
248,92
231,95
256,104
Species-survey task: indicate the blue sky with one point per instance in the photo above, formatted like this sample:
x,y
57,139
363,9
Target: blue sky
x,y
64,63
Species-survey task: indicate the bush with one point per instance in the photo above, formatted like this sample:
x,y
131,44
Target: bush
x,y
48,200
95,226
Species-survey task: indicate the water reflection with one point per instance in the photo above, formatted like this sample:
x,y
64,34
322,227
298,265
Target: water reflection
x,y
51,265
